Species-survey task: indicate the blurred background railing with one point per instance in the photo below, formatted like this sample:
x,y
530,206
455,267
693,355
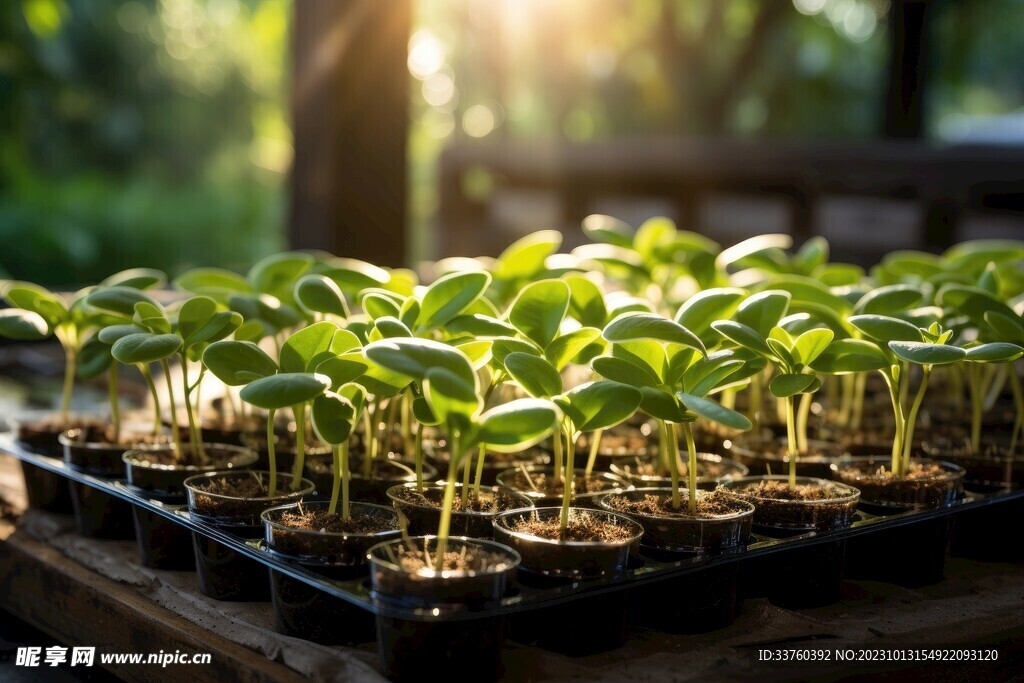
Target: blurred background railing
x,y
176,133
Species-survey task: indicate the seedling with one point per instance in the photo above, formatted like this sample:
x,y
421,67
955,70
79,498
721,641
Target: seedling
x,y
452,394
334,417
755,327
669,365
198,323
36,314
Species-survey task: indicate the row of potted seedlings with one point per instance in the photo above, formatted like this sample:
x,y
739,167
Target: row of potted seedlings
x,y
539,419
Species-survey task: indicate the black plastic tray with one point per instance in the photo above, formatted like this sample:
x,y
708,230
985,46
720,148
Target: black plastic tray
x,y
651,570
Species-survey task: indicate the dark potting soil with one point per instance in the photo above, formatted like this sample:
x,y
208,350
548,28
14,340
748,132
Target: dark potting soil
x,y
54,425
710,469
583,527
780,490
486,502
465,560
619,444
238,495
379,468
324,522
166,457
710,506
105,434
917,472
546,483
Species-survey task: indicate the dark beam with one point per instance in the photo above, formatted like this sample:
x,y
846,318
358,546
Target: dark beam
x,y
908,69
350,91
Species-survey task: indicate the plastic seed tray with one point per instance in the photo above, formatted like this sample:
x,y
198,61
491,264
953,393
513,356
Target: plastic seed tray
x,y
650,570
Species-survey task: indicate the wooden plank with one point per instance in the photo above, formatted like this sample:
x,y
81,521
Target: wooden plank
x,y
77,606
350,116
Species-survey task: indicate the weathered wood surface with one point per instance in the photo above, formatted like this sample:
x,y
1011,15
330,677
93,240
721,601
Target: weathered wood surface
x,y
90,592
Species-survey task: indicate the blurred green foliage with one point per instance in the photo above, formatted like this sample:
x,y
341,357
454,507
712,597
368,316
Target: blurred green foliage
x,y
146,133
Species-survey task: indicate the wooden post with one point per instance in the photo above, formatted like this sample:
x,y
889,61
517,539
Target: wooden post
x,y
350,92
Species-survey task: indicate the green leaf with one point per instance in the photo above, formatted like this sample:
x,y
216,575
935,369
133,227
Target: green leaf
x,y
536,375
145,347
451,295
600,228
118,300
478,351
886,329
927,354
811,344
378,305
705,307
216,283
661,404
526,256
637,326
93,359
994,352
110,334
136,278
333,418
195,313
413,357
22,325
586,302
502,346
151,317
539,309
276,274
1006,328
846,356
450,397
389,328
786,385
354,276
299,350
318,293
422,412
648,354
343,369
763,311
516,424
221,325
624,371
599,405
236,362
751,246
973,302
479,325
889,300
743,335
567,346
378,380
410,312
706,374
715,412
284,390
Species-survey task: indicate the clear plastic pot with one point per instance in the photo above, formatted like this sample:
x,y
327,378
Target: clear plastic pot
x,y
384,473
585,491
303,611
423,509
770,458
682,533
223,573
39,432
826,514
711,469
878,488
408,648
97,514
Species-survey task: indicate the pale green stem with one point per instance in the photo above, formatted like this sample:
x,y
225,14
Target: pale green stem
x,y
848,383
570,456
299,411
995,387
467,471
691,473
336,484
595,447
272,453
556,440
419,457
148,376
860,390
755,406
194,433
179,452
444,526
70,368
672,447
115,401
791,440
801,423
897,408
346,475
977,405
479,476
1018,403
368,445
908,441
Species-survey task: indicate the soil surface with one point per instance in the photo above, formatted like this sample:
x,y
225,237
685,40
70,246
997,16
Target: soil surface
x,y
465,560
380,469
710,469
105,434
487,502
710,506
164,456
252,486
917,472
583,527
630,443
546,483
320,520
775,489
